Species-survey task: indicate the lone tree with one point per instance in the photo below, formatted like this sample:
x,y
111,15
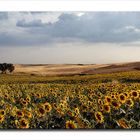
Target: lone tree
x,y
4,67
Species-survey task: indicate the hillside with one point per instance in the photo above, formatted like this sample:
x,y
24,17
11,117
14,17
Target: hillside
x,y
71,69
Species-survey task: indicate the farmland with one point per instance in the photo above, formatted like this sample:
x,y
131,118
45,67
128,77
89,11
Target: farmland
x,y
100,99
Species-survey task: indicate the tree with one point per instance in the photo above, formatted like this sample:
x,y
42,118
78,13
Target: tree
x,y
10,68
4,67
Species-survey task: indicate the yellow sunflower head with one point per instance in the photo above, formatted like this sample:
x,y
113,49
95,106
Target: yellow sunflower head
x,y
134,94
122,98
115,104
19,113
24,102
129,102
38,95
22,123
107,99
126,94
48,107
123,124
28,99
2,112
1,118
70,124
27,113
100,102
77,111
41,111
99,117
106,108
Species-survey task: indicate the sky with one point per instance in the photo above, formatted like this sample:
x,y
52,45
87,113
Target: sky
x,y
69,37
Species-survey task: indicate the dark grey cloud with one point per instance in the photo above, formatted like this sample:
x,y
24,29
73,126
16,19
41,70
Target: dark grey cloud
x,y
34,23
23,39
38,12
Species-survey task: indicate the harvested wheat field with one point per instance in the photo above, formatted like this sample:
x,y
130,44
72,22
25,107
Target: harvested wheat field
x,y
73,69
57,69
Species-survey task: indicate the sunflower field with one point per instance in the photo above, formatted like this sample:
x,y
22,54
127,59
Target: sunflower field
x,y
101,101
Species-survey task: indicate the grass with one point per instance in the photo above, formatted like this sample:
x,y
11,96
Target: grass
x,y
132,76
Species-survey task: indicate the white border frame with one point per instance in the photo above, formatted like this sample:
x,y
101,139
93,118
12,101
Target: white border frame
x,y
68,135
69,5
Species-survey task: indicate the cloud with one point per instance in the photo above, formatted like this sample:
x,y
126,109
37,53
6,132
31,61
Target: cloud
x,y
3,15
127,30
93,27
23,39
33,23
98,27
41,28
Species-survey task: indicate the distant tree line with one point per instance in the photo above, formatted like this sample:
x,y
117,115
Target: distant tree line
x,y
5,67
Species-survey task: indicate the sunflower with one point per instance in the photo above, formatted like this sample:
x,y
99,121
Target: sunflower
x,y
13,111
7,108
47,107
134,94
94,108
76,110
100,102
54,106
126,94
28,99
65,104
1,118
101,108
41,111
38,95
70,124
2,112
107,99
78,96
2,102
94,101
16,123
106,108
89,103
90,96
66,98
12,99
113,97
19,113
115,104
123,124
62,105
22,123
27,113
6,95
99,117
129,102
24,102
122,98
71,113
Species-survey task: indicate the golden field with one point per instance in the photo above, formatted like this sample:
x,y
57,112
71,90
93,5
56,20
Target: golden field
x,y
80,101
